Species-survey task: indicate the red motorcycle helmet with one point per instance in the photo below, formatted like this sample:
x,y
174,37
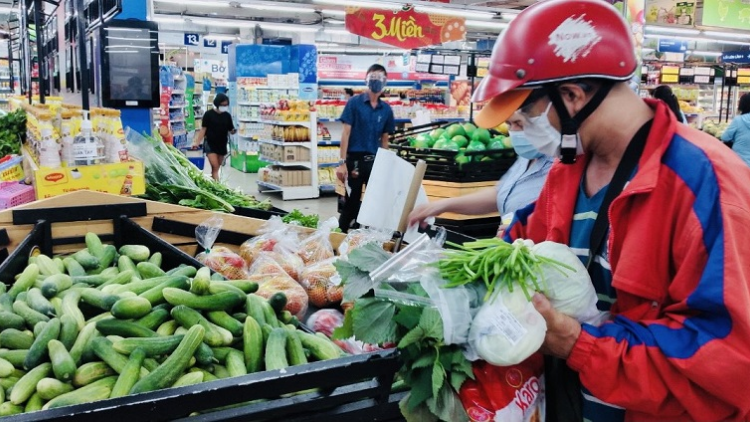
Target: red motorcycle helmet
x,y
554,41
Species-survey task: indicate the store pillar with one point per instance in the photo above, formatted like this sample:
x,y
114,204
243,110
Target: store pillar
x,y
139,119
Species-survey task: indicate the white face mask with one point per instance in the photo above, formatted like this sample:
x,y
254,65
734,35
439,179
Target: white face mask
x,y
544,136
223,109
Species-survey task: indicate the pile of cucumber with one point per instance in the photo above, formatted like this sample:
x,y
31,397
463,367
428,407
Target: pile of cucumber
x,y
104,323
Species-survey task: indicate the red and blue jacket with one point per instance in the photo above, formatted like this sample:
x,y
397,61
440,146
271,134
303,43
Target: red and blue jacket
x,y
678,344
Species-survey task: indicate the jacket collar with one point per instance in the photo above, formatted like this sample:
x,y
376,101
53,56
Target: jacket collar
x,y
563,196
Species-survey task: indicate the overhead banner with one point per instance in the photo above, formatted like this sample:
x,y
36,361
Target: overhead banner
x,y
670,12
405,28
733,14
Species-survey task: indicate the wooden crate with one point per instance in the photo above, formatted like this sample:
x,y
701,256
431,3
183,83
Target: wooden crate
x,y
437,190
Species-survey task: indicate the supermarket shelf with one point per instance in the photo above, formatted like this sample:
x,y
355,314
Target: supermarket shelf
x,y
324,120
328,164
394,120
248,119
249,103
177,121
329,143
178,92
270,186
305,123
245,136
177,106
328,188
307,164
272,88
286,144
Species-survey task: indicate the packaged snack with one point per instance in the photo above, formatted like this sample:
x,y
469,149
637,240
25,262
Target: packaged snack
x,y
318,246
322,283
218,258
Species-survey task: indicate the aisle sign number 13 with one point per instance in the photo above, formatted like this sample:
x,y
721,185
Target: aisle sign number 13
x,y
192,39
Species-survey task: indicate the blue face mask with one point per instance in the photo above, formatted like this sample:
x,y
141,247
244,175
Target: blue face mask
x,y
522,146
375,85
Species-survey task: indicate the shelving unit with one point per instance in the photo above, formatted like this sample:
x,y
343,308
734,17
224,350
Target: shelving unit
x,y
281,170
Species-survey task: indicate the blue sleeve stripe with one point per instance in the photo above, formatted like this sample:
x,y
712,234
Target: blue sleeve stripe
x,y
712,320
521,216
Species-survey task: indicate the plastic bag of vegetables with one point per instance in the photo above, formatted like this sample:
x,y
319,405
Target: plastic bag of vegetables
x,y
318,246
272,278
220,259
322,283
280,241
360,237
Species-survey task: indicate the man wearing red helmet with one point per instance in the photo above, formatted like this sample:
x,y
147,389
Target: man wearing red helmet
x,y
663,208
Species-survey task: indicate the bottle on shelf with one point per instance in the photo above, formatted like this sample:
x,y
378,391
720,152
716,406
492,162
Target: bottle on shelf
x,y
86,145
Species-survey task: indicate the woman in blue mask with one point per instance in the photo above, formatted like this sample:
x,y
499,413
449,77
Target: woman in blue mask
x,y
518,187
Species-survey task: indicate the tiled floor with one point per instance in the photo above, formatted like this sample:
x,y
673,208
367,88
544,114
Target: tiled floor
x,y
325,206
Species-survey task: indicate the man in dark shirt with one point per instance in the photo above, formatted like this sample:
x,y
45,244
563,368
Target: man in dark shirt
x,y
215,130
367,123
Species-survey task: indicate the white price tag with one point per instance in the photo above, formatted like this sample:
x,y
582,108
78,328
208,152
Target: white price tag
x,y
507,324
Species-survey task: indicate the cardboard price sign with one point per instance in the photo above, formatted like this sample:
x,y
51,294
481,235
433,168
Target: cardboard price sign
x,y
405,28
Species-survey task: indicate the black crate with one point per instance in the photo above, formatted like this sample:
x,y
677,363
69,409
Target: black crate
x,y
441,164
480,228
348,388
259,214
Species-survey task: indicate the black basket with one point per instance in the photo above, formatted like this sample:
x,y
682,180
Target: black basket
x,y
348,388
441,164
259,214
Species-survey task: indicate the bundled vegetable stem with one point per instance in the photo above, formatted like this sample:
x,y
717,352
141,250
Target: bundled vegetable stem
x,y
494,261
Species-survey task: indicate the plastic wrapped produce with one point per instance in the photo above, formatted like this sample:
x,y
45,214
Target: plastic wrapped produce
x,y
322,283
318,246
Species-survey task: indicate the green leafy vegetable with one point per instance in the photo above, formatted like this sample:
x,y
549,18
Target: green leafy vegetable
x,y
296,216
12,132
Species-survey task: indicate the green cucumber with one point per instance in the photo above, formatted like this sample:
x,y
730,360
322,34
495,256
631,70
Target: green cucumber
x,y
34,403
15,357
246,286
98,298
97,390
129,375
254,308
186,270
149,270
168,372
46,265
92,372
220,353
122,277
55,284
191,378
10,409
26,386
137,253
131,307
151,346
94,280
239,316
235,363
215,336
204,355
16,339
252,339
38,328
207,376
201,282
68,331
63,364
87,261
11,320
113,326
155,318
221,371
60,264
156,259
105,261
124,263
220,286
94,244
73,268
81,342
70,307
6,368
49,388
140,286
104,350
36,300
167,328
25,281
6,303
295,352
319,346
38,351
224,320
155,295
269,314
216,302
276,350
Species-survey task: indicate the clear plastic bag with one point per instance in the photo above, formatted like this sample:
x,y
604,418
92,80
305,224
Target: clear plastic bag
x,y
272,278
326,320
318,246
278,239
408,264
322,283
360,237
220,259
454,305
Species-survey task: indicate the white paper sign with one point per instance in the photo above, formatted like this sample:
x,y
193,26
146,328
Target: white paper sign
x,y
385,195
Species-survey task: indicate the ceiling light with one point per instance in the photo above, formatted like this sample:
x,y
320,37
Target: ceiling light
x,y
160,19
726,34
487,24
274,8
666,30
450,11
705,53
333,12
337,31
292,28
334,22
6,10
196,3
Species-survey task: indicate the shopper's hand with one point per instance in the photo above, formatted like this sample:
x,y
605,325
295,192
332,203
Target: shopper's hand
x,y
194,147
341,173
562,330
501,230
423,212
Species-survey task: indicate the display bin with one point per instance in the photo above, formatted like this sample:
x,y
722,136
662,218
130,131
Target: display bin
x,y
13,194
348,388
441,164
260,214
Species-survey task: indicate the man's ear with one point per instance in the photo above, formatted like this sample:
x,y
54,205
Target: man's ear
x,y
574,96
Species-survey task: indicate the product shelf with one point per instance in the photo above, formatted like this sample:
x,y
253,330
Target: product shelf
x,y
306,164
329,143
328,164
286,144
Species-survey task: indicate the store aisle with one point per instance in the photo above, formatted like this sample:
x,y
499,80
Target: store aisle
x,y
325,206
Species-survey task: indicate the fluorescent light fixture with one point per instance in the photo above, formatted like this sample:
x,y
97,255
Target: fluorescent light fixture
x,y
160,19
274,8
291,28
327,44
704,53
726,34
360,3
218,22
450,11
333,12
666,30
332,21
487,24
122,29
196,3
337,31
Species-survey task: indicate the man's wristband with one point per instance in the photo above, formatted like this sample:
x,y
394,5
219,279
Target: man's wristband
x,y
342,161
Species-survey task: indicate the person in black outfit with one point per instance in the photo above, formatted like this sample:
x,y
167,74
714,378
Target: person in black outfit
x,y
217,125
367,122
664,93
